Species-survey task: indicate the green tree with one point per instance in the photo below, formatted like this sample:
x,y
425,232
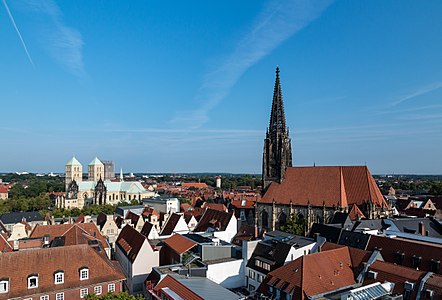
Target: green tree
x,y
295,225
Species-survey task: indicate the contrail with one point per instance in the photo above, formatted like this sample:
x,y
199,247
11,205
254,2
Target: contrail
x,y
18,32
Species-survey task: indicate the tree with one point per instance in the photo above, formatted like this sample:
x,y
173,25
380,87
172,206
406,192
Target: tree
x,y
295,225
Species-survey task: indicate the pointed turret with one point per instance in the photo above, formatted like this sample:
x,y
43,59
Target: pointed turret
x,y
277,154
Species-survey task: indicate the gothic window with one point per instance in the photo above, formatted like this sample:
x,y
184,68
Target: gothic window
x,y
264,219
282,219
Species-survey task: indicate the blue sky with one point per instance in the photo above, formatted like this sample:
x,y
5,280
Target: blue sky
x,y
186,86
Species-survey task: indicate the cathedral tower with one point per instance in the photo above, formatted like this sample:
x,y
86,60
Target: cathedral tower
x,y
95,170
277,154
74,171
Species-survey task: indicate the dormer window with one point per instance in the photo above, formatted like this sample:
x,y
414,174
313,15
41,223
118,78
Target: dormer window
x,y
58,277
33,281
4,285
84,273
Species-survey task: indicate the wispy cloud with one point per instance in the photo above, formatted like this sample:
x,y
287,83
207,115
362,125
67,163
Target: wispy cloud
x,y
276,23
64,43
419,92
18,32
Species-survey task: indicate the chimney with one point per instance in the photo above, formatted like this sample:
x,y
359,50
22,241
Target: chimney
x,y
421,229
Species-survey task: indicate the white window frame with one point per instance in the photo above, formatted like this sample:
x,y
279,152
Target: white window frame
x,y
36,282
86,270
98,290
61,274
44,297
59,296
84,292
6,283
111,288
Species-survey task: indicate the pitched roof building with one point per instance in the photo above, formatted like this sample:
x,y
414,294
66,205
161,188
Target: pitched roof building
x,y
64,272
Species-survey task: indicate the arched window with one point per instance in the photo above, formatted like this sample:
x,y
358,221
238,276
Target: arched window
x,y
264,219
282,220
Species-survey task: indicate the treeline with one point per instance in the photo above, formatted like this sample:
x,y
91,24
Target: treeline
x,y
35,186
40,203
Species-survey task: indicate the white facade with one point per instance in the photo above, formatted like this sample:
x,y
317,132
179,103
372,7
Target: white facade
x,y
137,271
228,274
231,230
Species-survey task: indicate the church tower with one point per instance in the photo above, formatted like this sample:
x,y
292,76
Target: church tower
x,y
95,170
277,155
74,172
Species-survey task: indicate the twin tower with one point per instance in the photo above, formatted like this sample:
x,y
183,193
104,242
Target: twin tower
x,y
96,170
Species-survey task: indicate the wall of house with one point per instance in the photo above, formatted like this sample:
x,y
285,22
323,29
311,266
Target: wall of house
x,y
74,293
18,232
254,280
231,230
296,253
229,274
142,266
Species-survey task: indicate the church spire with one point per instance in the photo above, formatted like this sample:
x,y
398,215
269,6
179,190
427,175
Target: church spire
x,y
277,155
277,116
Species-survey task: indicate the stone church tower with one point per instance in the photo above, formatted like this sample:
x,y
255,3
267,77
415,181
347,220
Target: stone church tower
x,y
95,170
74,172
277,154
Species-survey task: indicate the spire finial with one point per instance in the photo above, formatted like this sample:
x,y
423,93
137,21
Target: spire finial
x,y
277,71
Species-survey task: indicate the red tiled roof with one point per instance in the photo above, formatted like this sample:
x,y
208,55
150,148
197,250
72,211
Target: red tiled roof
x,y
339,186
131,241
74,233
313,274
182,291
355,213
434,283
248,204
179,243
3,189
215,219
5,246
198,185
133,217
215,206
79,219
45,262
390,246
171,223
397,275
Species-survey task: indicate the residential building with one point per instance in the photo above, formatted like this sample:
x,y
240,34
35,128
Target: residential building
x,y
4,192
69,272
136,257
222,225
32,218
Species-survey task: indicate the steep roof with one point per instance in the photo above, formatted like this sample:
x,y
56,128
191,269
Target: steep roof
x,y
96,162
4,189
313,274
171,223
389,247
73,162
45,262
273,252
333,185
73,234
213,218
147,227
130,241
179,243
355,213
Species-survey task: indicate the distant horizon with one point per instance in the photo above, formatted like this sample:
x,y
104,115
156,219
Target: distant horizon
x,y
188,85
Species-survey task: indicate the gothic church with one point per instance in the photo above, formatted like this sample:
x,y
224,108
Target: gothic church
x,y
314,193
